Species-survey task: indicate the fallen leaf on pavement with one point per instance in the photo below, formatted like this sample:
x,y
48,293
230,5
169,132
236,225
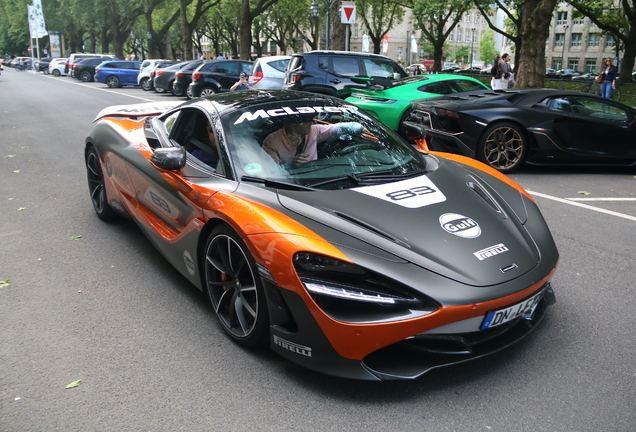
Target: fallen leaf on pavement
x,y
73,384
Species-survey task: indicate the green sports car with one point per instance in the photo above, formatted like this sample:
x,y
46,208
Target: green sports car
x,y
391,101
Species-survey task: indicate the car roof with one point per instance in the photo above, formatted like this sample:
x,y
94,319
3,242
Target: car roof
x,y
342,53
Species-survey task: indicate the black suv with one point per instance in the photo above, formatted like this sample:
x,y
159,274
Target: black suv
x,y
330,72
215,76
84,69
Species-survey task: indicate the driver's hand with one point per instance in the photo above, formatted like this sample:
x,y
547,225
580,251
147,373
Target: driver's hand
x,y
300,159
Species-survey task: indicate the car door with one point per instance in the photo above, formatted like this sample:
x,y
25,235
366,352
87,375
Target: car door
x,y
601,128
226,73
170,203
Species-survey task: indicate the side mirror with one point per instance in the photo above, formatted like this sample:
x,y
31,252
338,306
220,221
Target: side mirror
x,y
169,158
396,75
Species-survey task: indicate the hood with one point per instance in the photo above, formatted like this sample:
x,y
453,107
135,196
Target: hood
x,y
137,110
447,223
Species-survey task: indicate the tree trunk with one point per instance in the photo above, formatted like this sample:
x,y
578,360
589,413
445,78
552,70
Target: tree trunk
x,y
338,32
533,31
245,31
438,53
626,65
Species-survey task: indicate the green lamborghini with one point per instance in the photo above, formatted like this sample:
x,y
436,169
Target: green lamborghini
x,y
390,101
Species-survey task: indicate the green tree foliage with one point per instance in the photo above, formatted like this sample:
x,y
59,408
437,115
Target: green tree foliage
x,y
437,19
378,17
487,49
617,18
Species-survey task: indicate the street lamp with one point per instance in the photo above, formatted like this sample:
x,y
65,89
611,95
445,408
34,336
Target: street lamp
x,y
565,28
314,12
472,41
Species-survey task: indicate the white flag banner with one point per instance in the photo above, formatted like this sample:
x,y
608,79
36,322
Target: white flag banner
x,y
39,16
413,44
33,25
385,43
365,43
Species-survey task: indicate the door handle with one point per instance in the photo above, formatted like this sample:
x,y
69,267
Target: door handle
x,y
335,81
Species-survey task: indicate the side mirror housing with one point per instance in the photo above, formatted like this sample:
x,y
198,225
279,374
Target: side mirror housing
x,y
169,158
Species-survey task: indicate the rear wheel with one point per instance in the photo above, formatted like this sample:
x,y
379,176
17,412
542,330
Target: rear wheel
x,y
189,94
56,73
402,127
146,84
113,82
86,76
96,186
207,91
174,91
503,147
235,289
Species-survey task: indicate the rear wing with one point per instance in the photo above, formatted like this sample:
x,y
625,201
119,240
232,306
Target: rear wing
x,y
137,110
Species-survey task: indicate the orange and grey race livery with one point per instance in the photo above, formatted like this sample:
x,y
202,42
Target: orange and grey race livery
x,y
314,228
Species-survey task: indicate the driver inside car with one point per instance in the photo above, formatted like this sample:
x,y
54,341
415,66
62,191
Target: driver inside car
x,y
297,142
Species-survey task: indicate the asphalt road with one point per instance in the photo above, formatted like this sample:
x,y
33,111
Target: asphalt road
x,y
108,309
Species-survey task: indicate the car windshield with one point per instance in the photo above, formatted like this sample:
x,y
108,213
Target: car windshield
x,y
317,144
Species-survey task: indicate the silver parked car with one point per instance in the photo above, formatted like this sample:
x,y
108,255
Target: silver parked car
x,y
269,72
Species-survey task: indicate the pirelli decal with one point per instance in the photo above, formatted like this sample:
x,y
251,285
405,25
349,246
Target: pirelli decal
x,y
293,347
491,251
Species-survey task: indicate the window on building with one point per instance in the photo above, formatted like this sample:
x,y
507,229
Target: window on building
x,y
355,31
576,39
450,36
459,35
355,48
559,39
474,36
399,53
577,17
483,20
557,64
590,65
467,17
573,64
467,38
609,41
562,17
593,39
477,18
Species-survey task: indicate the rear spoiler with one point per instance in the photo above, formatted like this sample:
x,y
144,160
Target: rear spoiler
x,y
137,110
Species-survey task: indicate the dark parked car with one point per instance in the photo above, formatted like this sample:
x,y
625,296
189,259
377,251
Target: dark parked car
x,y
567,73
84,68
215,76
42,65
163,78
588,76
117,73
536,126
330,72
159,65
183,78
474,70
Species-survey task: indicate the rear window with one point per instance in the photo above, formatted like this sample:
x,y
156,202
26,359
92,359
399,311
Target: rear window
x,y
381,68
279,65
345,66
465,85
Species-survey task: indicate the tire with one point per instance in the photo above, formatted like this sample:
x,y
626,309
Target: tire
x,y
96,187
207,91
503,146
113,82
146,84
234,288
189,94
56,73
174,91
160,90
86,76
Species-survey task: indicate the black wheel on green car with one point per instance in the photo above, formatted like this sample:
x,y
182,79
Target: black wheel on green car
x,y
234,288
503,146
96,186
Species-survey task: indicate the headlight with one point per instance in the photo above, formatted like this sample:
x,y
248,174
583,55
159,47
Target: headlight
x,y
350,293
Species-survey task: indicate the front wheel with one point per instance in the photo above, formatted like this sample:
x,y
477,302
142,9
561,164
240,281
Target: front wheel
x,y
189,94
235,289
174,90
96,186
113,82
503,147
56,73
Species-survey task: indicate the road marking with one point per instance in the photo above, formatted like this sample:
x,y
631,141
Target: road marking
x,y
97,88
602,199
585,206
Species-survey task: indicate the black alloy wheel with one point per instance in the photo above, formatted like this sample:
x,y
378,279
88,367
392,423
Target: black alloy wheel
x,y
113,82
234,288
96,186
86,76
503,147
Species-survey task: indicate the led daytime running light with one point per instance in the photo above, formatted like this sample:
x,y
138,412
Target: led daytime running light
x,y
347,294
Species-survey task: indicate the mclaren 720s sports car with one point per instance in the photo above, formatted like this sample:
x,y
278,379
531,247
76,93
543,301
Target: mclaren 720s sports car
x,y
316,230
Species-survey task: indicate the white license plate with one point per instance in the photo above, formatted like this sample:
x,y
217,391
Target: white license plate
x,y
502,316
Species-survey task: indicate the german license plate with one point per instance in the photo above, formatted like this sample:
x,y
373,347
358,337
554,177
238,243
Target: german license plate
x,y
502,316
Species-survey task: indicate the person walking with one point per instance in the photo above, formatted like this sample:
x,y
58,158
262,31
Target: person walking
x,y
609,79
504,68
495,74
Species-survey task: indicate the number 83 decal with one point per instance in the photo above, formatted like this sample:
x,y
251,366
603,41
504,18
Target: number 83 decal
x,y
413,193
